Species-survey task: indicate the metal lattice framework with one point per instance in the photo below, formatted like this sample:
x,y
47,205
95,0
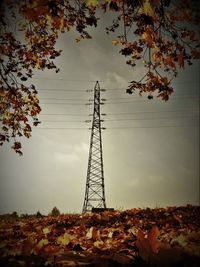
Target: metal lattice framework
x,y
95,190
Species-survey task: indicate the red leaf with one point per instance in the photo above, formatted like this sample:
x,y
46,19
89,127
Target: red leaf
x,y
148,246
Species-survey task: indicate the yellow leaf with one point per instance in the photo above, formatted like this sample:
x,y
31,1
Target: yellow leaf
x,y
98,243
64,239
42,242
93,3
181,240
78,39
49,19
115,42
46,230
147,8
37,65
89,233
40,63
26,98
93,233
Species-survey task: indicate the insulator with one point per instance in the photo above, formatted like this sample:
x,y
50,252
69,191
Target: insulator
x,y
88,104
89,90
103,99
102,90
102,114
102,103
103,128
87,121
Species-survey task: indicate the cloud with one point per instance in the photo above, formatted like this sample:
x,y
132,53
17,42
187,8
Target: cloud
x,y
74,153
81,148
134,182
114,79
66,158
155,178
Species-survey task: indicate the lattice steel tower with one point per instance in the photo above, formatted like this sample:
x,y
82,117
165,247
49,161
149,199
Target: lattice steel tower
x,y
95,189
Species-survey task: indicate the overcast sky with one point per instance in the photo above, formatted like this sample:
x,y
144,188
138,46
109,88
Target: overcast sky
x,y
150,153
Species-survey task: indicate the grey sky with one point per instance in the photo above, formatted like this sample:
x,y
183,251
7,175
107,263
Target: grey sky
x,y
146,166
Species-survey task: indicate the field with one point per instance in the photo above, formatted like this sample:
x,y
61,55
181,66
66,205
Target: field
x,y
137,237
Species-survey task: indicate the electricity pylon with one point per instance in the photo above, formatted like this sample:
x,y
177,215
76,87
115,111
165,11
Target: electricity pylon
x,y
95,189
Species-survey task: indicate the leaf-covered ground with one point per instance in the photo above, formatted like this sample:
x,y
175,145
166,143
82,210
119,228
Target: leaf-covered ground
x,y
136,237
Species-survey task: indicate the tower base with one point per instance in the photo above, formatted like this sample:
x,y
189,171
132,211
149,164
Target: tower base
x,y
95,210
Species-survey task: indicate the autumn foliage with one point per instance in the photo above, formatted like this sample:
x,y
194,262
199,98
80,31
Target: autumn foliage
x,y
160,34
136,237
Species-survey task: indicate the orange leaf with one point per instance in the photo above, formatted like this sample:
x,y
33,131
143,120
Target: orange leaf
x,y
2,92
169,61
196,54
152,238
142,245
180,59
148,36
148,246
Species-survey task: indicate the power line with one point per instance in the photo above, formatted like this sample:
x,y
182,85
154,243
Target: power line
x,y
61,128
62,79
123,127
143,127
85,90
73,104
58,99
151,112
117,98
132,119
65,90
116,114
133,101
160,118
61,121
136,97
63,114
103,103
93,81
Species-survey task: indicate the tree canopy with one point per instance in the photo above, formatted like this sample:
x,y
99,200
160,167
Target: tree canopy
x,y
162,34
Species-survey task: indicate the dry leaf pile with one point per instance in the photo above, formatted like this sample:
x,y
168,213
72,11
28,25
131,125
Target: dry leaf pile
x,y
136,237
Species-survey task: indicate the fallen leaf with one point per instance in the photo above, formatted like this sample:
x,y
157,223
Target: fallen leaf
x,y
46,230
65,239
